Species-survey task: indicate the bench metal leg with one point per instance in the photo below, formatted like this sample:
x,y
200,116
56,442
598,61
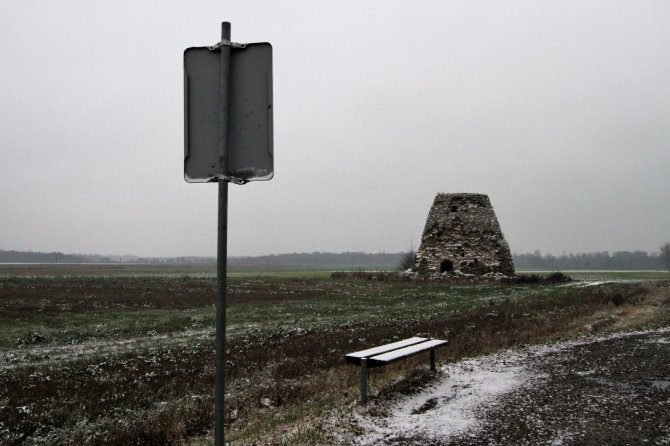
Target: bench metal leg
x,y
364,381
432,359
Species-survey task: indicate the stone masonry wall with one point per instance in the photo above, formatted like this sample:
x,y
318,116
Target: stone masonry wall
x,y
462,237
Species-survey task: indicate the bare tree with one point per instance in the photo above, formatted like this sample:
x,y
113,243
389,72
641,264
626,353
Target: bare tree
x,y
665,255
407,260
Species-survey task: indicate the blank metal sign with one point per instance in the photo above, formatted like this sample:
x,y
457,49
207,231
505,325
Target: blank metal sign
x,y
250,145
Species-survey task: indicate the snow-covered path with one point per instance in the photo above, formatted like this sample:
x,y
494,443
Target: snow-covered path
x,y
447,407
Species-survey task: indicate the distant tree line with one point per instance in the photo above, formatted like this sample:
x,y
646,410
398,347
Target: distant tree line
x,y
322,260
182,260
50,257
354,261
624,260
664,254
313,260
59,257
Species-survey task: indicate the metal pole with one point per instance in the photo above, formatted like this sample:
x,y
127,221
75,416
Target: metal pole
x,y
364,381
222,243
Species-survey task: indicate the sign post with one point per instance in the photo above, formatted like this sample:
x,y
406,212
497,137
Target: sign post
x,y
227,138
222,244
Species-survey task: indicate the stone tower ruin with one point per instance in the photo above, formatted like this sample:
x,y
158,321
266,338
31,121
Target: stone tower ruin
x,y
462,237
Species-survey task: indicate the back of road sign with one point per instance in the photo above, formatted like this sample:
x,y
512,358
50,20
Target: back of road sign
x,y
250,145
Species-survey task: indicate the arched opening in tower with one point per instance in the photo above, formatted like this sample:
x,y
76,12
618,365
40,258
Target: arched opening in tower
x,y
446,266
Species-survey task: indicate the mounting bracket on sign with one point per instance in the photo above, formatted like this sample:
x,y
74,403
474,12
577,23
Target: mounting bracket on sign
x,y
227,43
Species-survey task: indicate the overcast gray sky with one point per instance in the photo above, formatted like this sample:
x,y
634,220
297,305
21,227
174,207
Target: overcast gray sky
x,y
558,110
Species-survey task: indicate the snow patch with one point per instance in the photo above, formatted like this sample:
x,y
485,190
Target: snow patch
x,y
450,406
454,404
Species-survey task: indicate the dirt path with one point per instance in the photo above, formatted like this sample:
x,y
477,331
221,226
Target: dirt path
x,y
607,391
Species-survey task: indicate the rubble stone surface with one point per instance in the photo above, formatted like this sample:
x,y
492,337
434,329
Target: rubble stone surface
x,y
462,237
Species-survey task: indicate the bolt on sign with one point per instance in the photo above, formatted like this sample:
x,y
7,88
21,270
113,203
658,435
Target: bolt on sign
x,y
249,123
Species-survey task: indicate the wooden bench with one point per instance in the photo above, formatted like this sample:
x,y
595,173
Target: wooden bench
x,y
386,354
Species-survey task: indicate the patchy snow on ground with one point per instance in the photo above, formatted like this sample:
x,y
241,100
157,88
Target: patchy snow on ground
x,y
447,407
453,405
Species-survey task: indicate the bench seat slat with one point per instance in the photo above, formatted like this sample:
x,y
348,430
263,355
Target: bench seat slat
x,y
385,354
356,356
407,351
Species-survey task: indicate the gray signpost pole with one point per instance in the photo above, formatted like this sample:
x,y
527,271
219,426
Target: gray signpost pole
x,y
222,243
211,135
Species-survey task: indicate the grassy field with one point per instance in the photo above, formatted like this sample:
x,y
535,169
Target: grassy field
x,y
125,355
